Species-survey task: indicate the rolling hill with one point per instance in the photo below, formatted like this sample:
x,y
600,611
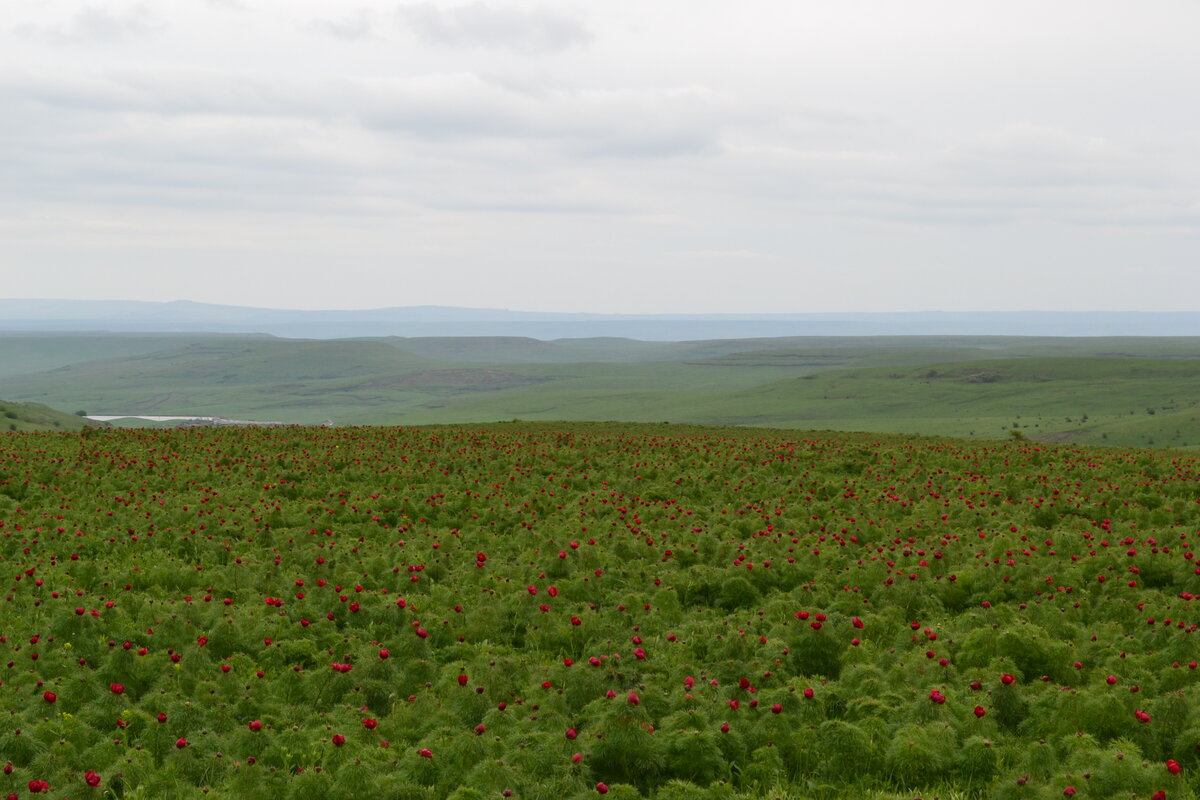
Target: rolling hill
x,y
25,417
1137,391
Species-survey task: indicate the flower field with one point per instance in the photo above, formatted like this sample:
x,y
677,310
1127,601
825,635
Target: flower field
x,y
569,610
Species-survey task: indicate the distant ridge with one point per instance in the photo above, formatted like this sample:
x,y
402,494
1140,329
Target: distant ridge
x,y
424,321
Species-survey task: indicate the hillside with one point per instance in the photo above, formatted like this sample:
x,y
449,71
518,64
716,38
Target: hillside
x,y
25,417
1133,391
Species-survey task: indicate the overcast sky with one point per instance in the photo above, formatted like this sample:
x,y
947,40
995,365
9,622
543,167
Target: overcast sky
x,y
610,156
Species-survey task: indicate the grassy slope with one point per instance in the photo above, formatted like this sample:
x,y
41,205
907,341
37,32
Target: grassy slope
x,y
960,386
1124,401
23,353
37,417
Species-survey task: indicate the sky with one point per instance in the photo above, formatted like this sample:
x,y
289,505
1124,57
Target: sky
x,y
623,156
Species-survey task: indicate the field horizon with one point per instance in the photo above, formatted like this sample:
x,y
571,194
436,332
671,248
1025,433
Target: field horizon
x,y
187,316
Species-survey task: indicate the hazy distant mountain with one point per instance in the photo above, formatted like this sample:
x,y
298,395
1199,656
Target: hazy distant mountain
x,y
421,321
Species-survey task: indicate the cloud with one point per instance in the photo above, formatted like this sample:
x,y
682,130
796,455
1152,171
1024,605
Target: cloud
x,y
464,143
1039,157
356,26
446,109
727,255
532,30
95,24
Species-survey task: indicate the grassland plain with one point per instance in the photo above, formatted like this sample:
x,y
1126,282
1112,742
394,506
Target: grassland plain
x,y
570,610
1135,391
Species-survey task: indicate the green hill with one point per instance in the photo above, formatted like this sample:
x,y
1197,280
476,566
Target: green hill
x,y
1130,401
1139,392
37,417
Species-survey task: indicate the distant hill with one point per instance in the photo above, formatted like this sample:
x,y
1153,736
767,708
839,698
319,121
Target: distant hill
x,y
444,321
1115,390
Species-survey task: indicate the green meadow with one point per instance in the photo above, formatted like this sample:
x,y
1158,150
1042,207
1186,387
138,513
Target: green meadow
x,y
1120,391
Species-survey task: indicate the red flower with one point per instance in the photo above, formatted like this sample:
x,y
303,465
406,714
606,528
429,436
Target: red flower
x,y
462,680
36,786
338,740
369,723
255,725
181,742
602,788
425,753
980,711
1173,766
50,697
116,688
1007,680
91,778
571,733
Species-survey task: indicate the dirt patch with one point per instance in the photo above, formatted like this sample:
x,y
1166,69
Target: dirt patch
x,y
984,376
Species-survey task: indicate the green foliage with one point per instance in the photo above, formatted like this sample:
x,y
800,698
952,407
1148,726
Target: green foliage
x,y
918,755
671,611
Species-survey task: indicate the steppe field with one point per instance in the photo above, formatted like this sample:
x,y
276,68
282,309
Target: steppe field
x,y
561,610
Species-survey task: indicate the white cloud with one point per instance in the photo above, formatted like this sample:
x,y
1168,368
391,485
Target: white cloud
x,y
357,25
96,24
726,255
792,144
530,30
